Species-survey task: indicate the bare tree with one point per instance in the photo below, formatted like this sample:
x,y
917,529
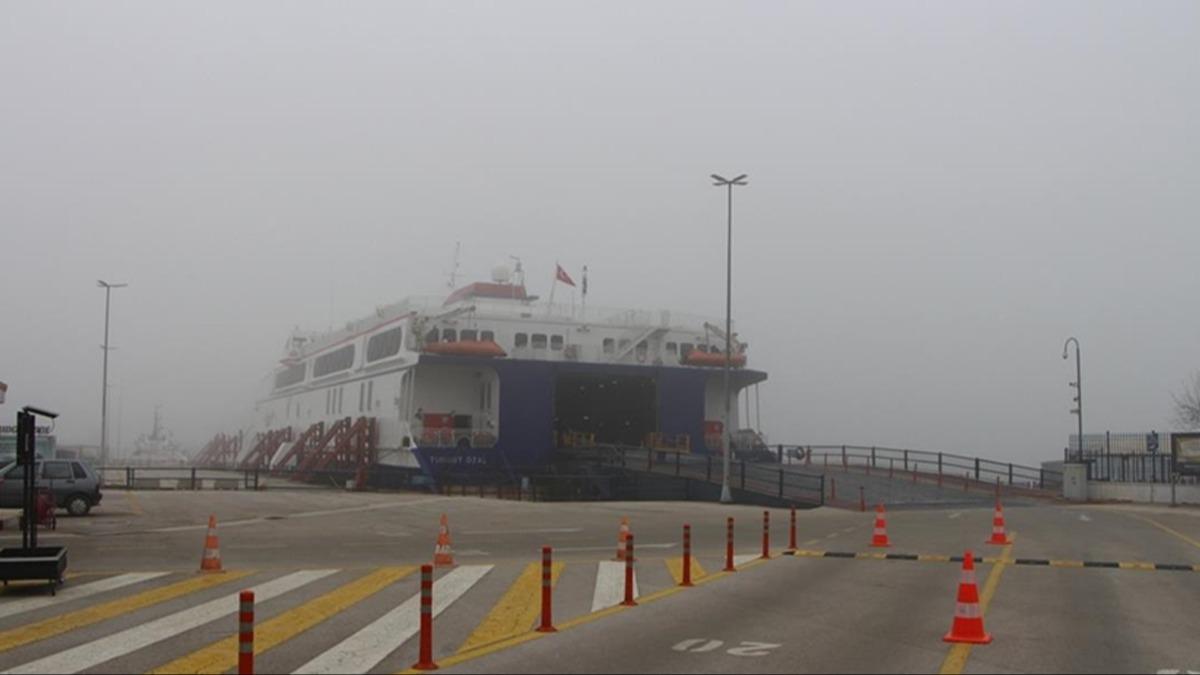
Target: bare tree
x,y
1187,404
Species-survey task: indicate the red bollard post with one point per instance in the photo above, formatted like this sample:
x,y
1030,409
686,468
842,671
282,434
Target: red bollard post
x,y
425,661
687,556
547,622
629,601
729,546
766,553
792,532
862,499
246,633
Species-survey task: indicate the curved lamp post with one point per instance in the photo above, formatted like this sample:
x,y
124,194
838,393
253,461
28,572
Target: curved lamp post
x,y
1078,384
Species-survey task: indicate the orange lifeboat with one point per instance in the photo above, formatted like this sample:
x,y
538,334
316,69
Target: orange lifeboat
x,y
486,348
713,360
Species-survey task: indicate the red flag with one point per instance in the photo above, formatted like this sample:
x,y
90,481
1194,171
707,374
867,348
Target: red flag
x,y
561,275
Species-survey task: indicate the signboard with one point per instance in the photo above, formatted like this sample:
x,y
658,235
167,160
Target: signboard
x,y
1186,450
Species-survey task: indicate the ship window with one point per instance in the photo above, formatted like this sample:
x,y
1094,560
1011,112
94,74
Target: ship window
x,y
556,342
293,375
610,346
521,340
432,336
334,361
539,341
686,348
385,344
469,335
672,348
448,335
487,336
642,349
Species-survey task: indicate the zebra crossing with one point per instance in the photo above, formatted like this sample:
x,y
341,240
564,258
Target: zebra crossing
x,y
309,620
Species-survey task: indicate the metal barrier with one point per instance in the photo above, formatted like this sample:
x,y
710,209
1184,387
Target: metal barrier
x,y
942,466
193,478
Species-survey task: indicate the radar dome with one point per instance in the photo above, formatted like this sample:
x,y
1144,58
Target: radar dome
x,y
501,274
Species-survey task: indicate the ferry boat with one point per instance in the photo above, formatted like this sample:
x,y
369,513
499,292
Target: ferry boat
x,y
491,378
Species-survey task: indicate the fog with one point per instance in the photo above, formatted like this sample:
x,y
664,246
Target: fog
x,y
940,194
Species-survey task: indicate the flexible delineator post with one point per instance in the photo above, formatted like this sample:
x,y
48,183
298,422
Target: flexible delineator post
x,y
729,546
246,633
629,601
687,556
766,548
547,620
425,660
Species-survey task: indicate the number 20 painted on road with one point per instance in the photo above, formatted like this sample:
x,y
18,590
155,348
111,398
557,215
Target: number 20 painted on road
x,y
702,646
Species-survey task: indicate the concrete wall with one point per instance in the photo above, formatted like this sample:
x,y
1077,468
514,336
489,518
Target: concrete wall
x,y
1142,493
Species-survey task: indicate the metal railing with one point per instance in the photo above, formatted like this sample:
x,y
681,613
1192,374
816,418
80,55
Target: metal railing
x,y
940,466
195,478
1108,467
770,479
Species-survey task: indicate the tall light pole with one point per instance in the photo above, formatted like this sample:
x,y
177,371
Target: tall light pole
x,y
104,386
1078,385
726,494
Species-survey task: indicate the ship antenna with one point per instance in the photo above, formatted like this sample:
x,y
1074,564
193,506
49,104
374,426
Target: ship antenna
x,y
454,268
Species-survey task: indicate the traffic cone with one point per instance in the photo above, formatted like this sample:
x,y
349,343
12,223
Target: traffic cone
x,y
968,617
622,535
880,538
211,562
999,535
443,554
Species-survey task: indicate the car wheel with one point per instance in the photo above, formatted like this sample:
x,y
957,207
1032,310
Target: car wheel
x,y
78,505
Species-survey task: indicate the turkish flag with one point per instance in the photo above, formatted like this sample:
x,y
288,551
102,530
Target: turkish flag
x,y
561,275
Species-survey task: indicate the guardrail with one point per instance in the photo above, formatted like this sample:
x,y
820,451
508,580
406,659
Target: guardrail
x,y
770,479
940,466
196,478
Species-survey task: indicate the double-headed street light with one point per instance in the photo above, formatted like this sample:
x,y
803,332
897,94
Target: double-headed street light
x,y
104,387
1078,385
726,494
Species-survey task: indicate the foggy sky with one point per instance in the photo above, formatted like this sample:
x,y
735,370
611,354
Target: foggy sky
x,y
940,193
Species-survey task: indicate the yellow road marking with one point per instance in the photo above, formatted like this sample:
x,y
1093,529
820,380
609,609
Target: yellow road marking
x,y
516,611
1066,563
956,659
222,655
135,504
464,656
675,567
57,625
1168,530
868,555
1137,566
934,558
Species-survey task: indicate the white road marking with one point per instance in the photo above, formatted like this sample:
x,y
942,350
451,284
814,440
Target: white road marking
x,y
833,535
1085,518
548,530
76,592
753,649
739,560
811,542
366,648
955,515
610,585
637,547
704,645
294,516
94,653
848,530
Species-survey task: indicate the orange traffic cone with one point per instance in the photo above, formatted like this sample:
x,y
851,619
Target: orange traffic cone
x,y
968,617
880,538
443,554
999,536
622,535
211,562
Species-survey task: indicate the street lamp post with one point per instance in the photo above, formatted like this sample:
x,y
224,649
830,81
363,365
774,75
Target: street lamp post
x,y
726,494
1078,385
104,386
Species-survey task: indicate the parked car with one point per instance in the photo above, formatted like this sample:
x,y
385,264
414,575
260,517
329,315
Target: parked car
x,y
75,485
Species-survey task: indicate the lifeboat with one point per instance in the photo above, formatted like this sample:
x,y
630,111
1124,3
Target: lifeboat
x,y
486,348
711,360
